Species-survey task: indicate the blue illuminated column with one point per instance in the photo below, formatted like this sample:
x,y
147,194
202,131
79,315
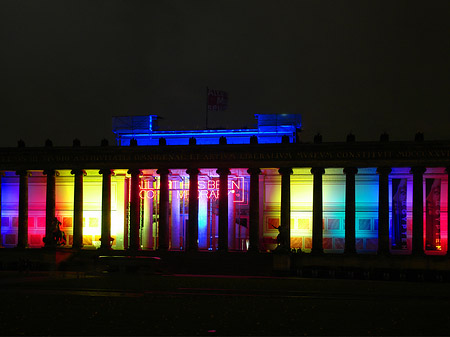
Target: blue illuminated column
x,y
223,209
192,226
163,229
383,210
49,208
1,238
285,223
22,241
254,209
78,209
417,231
106,209
317,232
134,210
350,208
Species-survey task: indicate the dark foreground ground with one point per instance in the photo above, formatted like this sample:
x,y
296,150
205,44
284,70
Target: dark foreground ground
x,y
125,303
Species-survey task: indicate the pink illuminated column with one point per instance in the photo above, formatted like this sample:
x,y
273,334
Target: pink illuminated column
x,y
223,209
192,226
350,238
106,209
78,208
22,241
49,207
317,231
417,231
134,210
285,218
163,209
448,206
383,210
254,210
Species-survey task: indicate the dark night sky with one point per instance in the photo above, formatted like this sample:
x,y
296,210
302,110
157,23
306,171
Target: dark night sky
x,y
67,67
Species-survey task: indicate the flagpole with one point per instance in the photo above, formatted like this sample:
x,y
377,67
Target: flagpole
x,y
206,108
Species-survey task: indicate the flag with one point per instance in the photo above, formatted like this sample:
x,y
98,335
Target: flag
x,y
217,100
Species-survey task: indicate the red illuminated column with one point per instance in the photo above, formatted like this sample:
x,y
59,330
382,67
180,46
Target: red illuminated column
x,y
383,210
192,227
417,231
50,207
106,208
163,209
350,239
78,208
448,204
285,223
317,230
254,210
223,209
134,210
22,241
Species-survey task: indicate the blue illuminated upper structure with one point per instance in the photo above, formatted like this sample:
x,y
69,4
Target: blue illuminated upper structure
x,y
271,128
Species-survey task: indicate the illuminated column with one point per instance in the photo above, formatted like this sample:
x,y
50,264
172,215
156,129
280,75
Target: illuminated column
x,y
78,209
1,239
383,210
317,231
192,230
49,207
254,209
350,239
134,209
176,241
417,231
223,209
285,223
106,208
448,204
163,209
22,241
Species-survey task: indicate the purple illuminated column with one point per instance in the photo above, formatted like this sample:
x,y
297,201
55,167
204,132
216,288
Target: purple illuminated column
x,y
383,210
192,227
254,209
106,209
223,209
285,223
350,239
22,241
417,232
317,230
78,208
163,209
134,210
49,207
1,239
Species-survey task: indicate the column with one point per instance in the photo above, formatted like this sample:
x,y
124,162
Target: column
x,y
317,230
134,209
50,208
106,209
1,239
22,241
448,203
163,209
417,231
285,223
383,210
192,227
223,209
175,240
254,209
350,209
78,209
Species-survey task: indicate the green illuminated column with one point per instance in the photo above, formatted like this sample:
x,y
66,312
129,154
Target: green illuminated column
x,y
350,239
223,209
106,209
285,223
383,210
163,209
417,231
317,231
22,241
134,210
192,227
50,207
78,208
254,210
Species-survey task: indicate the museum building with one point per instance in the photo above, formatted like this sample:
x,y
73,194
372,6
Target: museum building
x,y
253,189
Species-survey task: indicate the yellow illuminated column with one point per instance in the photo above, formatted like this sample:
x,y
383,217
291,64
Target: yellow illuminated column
x,y
106,209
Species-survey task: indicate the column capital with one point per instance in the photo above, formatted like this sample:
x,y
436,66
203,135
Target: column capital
x,y
285,171
106,172
384,170
78,172
163,171
317,170
193,171
50,172
418,170
223,171
23,173
254,170
350,170
135,172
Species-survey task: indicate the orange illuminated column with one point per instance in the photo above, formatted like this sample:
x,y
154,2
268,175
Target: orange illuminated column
x,y
285,217
254,209
106,209
78,208
23,209
383,210
350,173
192,228
49,207
417,231
223,209
134,209
317,231
163,229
